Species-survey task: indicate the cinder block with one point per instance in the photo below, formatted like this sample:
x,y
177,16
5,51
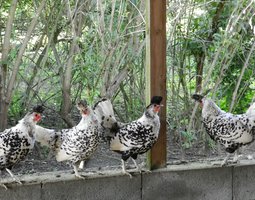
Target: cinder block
x,y
195,184
20,192
244,182
115,187
184,182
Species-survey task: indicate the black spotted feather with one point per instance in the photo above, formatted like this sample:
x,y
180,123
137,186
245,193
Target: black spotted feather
x,y
18,141
230,130
139,136
75,144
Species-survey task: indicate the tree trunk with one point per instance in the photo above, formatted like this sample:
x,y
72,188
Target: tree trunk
x,y
200,68
200,58
76,22
3,66
6,93
66,87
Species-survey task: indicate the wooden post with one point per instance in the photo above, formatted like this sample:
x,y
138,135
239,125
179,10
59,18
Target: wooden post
x,y
156,72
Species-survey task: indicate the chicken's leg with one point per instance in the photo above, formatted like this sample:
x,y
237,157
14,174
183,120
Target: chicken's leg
x,y
137,166
12,175
124,168
75,168
224,162
81,166
235,159
4,186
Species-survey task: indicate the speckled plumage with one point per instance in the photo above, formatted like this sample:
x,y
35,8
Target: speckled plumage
x,y
16,142
75,144
139,136
231,131
136,137
78,143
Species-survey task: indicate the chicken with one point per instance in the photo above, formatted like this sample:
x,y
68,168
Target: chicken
x,y
16,142
76,144
137,137
231,131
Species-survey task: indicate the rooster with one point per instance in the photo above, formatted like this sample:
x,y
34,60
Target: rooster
x,y
136,137
16,142
231,131
76,144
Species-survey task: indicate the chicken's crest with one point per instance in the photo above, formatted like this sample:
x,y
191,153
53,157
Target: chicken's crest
x,y
38,109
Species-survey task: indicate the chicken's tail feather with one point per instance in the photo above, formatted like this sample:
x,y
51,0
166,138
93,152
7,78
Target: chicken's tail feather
x,y
46,137
251,110
105,115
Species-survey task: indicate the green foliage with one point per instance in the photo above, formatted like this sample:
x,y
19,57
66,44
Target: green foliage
x,y
188,138
110,37
212,38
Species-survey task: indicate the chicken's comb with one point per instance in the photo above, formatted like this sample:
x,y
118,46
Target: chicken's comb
x,y
38,109
156,100
197,97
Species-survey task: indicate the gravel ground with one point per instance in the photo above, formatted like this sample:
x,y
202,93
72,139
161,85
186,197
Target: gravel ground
x,y
41,160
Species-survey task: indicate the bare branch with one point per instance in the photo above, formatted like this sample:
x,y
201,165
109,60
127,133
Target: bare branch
x,y
22,50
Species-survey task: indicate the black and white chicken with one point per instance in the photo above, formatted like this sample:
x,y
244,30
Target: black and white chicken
x,y
230,130
16,142
75,144
137,137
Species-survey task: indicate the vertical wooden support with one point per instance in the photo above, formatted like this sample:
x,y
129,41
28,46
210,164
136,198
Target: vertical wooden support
x,y
156,72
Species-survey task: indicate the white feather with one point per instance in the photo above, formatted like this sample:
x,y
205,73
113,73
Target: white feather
x,y
61,155
117,146
104,113
251,110
43,135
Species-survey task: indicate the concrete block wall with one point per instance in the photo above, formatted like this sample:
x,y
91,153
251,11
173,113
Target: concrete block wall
x,y
197,184
194,181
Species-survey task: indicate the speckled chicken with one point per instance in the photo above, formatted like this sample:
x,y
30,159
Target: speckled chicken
x,y
16,142
231,131
137,137
76,144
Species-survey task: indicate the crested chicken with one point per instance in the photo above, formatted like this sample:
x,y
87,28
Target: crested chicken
x,y
230,130
75,144
16,142
136,137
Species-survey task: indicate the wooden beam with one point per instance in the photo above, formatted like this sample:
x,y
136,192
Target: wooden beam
x,y
156,72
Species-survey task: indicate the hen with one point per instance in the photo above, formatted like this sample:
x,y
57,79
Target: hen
x,y
16,142
76,144
231,131
137,137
